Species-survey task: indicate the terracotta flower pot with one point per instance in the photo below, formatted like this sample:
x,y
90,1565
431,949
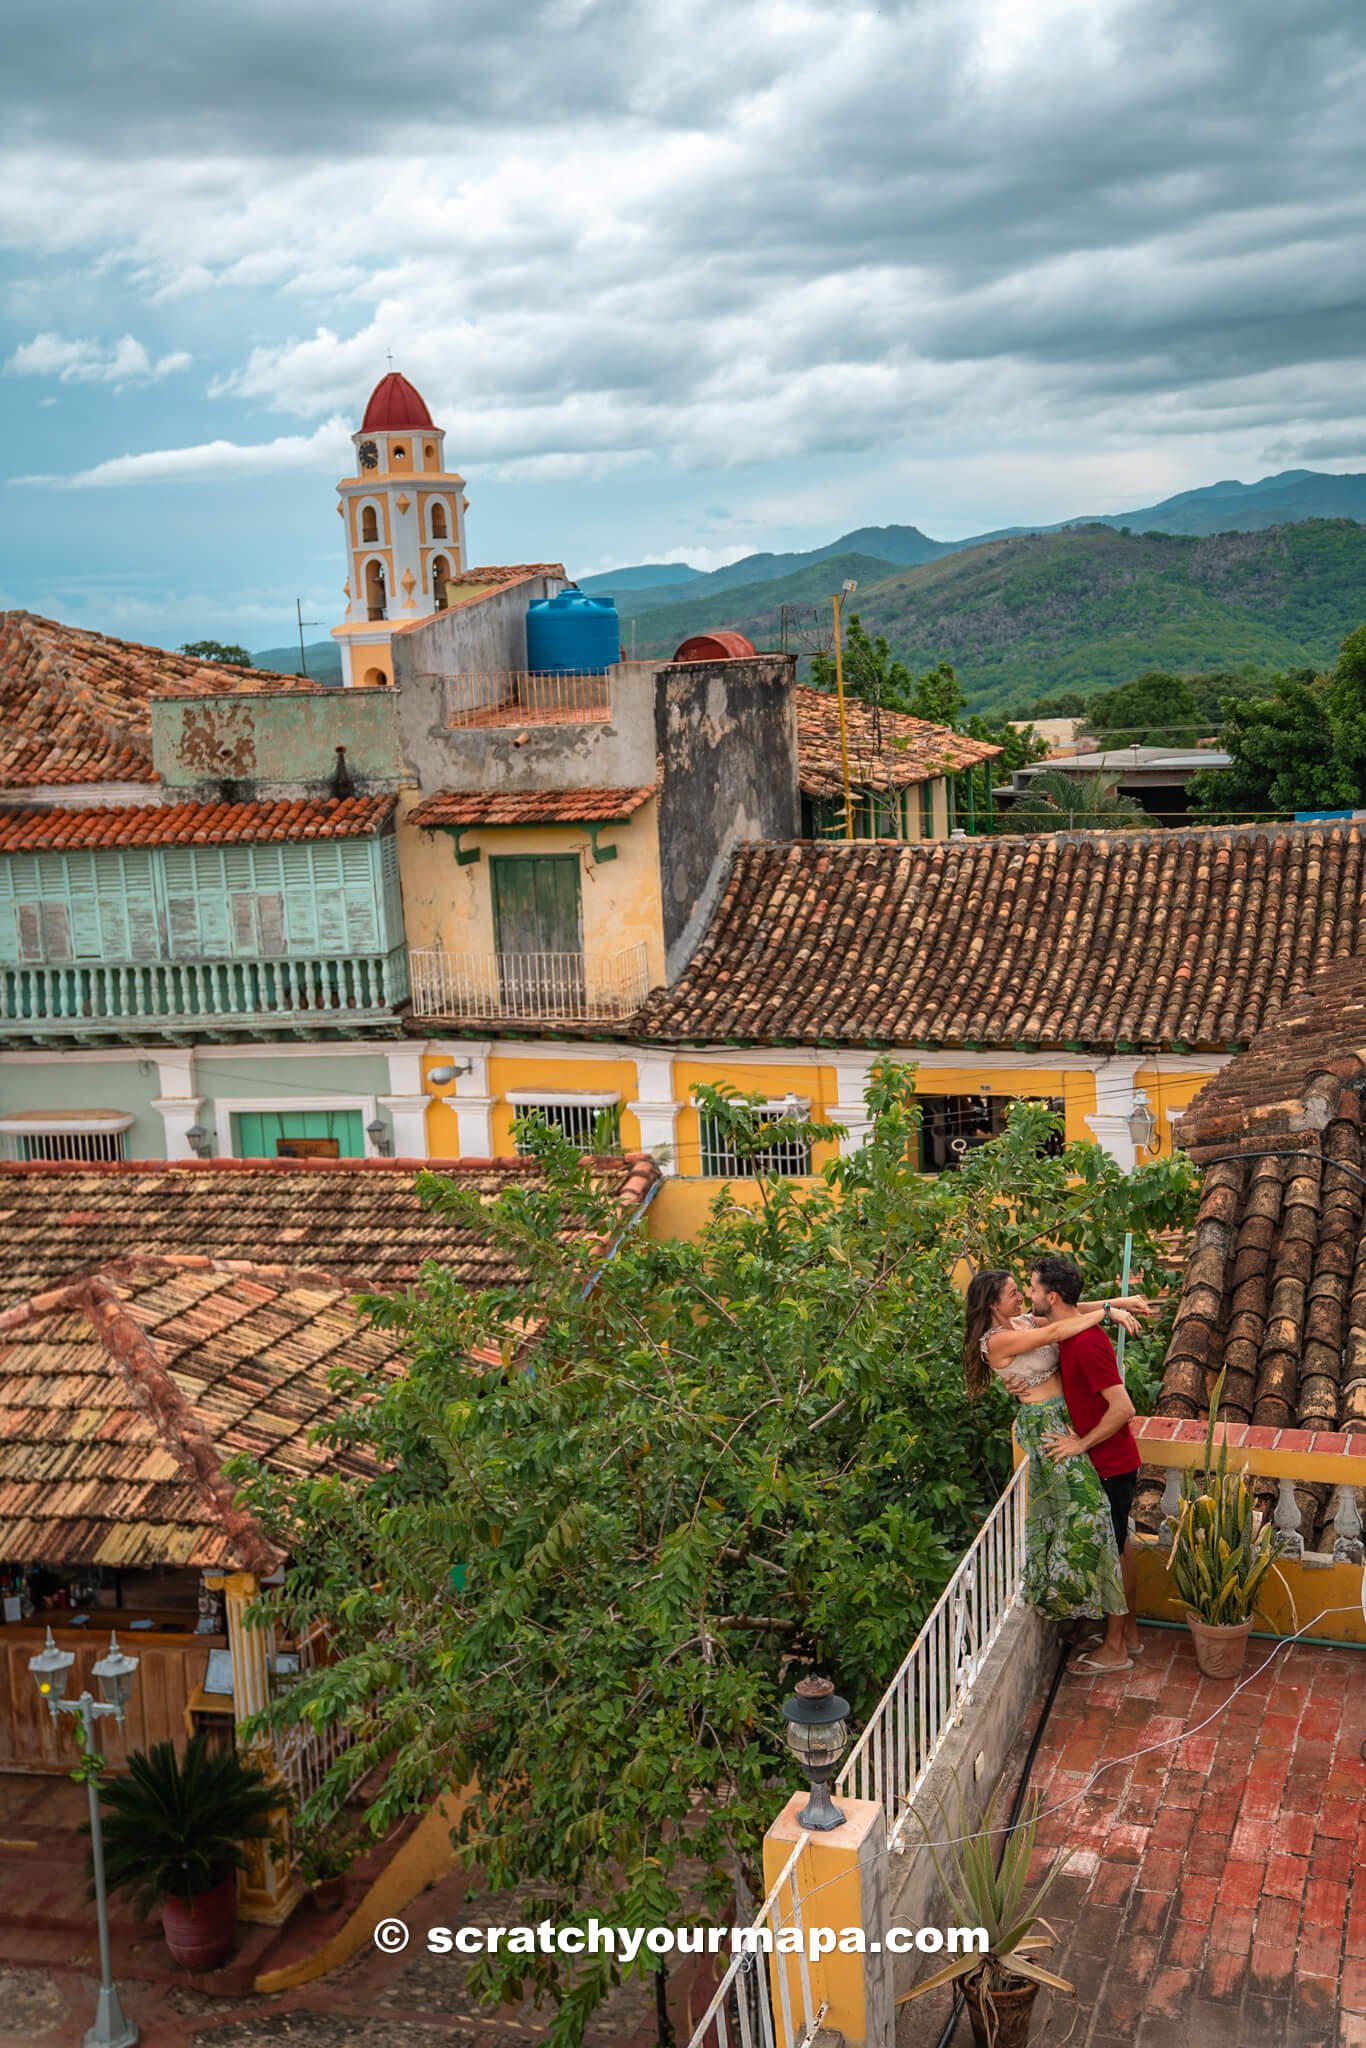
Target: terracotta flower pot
x,y
199,1932
327,1893
1005,2022
1220,1647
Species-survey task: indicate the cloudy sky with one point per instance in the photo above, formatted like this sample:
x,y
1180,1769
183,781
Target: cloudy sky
x,y
681,279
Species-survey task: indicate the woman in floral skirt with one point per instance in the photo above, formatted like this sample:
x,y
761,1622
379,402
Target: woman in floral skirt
x,y
1071,1564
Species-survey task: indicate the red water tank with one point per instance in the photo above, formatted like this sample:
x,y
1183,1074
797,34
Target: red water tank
x,y
716,647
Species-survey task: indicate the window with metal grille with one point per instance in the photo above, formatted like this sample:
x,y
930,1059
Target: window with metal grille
x,y
94,1146
955,1125
787,1158
592,1126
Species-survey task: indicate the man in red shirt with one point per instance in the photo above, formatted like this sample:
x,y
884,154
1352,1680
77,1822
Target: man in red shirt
x,y
1101,1413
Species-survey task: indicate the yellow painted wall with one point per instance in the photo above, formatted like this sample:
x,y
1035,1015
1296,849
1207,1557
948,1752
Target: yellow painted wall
x,y
1168,1093
447,906
818,1085
597,1077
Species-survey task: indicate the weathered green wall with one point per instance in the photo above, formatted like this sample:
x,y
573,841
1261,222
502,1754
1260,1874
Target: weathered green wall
x,y
285,1082
290,739
74,1084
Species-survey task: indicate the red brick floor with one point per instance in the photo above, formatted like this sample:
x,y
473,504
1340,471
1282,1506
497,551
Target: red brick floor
x,y
1217,1893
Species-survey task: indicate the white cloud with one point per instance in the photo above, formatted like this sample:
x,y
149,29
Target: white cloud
x,y
90,362
213,461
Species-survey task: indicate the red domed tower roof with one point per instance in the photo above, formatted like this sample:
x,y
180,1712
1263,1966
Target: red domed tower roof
x,y
395,403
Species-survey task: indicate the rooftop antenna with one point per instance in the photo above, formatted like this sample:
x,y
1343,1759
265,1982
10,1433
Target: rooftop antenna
x,y
299,615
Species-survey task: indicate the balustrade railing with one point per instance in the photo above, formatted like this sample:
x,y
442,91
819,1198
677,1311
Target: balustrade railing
x,y
52,997
929,1694
519,697
744,2012
554,987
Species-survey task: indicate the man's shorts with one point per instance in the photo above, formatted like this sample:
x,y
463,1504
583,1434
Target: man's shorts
x,y
1119,1491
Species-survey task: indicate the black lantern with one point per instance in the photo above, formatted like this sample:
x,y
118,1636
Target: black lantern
x,y
818,1734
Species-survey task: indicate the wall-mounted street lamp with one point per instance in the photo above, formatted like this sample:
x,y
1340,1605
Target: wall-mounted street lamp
x,y
817,1734
114,1674
440,1077
1142,1123
199,1141
378,1134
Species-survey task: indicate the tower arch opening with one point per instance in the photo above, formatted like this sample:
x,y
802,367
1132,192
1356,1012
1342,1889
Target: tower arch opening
x,y
441,570
440,530
376,598
369,524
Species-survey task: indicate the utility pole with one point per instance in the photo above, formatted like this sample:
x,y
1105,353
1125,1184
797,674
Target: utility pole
x,y
848,590
299,615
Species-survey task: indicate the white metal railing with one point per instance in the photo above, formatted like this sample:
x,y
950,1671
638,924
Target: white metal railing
x,y
521,697
304,1754
930,1692
559,987
84,1147
741,2014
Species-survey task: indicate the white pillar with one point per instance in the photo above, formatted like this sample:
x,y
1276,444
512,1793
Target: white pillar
x,y
1109,1124
472,1102
850,1108
408,1103
656,1110
177,1105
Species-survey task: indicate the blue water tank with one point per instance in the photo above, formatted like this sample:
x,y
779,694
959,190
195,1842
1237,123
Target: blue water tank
x,y
572,634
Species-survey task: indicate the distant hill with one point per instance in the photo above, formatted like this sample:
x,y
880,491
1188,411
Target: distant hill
x,y
647,576
1024,617
1294,495
754,608
888,547
323,657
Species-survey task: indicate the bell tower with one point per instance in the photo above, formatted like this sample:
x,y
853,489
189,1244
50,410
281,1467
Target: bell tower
x,y
404,513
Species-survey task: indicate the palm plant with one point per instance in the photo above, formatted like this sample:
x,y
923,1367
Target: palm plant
x,y
1220,1552
174,1828
978,1894
1054,801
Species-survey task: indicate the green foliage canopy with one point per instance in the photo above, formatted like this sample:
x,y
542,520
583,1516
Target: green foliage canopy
x,y
703,1468
226,651
1303,748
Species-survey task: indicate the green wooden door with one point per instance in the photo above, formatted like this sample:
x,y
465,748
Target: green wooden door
x,y
538,931
270,1134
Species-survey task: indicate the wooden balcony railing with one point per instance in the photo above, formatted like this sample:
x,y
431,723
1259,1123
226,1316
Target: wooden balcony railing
x,y
110,998
551,987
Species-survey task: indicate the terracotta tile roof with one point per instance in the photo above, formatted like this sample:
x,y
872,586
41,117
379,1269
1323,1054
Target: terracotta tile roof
x,y
74,705
360,1220
1268,1291
529,807
193,824
887,749
123,1393
1187,940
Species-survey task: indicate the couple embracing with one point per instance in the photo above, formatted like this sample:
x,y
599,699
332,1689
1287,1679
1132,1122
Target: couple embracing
x,y
1054,1354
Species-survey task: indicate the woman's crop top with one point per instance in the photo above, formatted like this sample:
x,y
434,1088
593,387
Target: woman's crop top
x,y
1033,1367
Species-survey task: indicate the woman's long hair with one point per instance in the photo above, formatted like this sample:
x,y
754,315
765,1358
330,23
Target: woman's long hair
x,y
983,1293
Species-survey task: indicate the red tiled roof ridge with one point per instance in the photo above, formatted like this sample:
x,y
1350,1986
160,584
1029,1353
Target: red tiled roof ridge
x,y
134,1354
111,1167
599,805
193,823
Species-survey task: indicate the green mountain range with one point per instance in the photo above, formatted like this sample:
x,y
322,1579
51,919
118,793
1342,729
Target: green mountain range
x,y
1028,616
1262,576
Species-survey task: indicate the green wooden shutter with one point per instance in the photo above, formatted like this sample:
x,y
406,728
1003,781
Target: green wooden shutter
x,y
183,883
360,894
536,903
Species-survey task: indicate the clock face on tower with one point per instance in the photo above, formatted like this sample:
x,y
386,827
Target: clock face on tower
x,y
369,455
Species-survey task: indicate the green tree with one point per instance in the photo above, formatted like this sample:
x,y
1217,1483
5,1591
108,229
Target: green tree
x,y
700,1469
871,672
1155,709
1055,801
226,651
1067,704
1301,749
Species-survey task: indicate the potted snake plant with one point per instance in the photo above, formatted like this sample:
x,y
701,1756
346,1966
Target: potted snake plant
x,y
1001,1983
1221,1552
